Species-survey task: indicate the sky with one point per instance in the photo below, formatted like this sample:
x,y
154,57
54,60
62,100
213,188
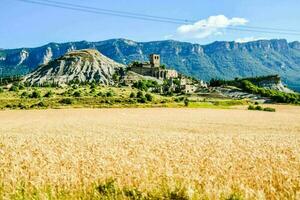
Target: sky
x,y
29,25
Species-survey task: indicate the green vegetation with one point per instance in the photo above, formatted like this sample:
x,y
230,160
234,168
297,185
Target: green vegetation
x,y
260,108
277,96
111,190
93,95
36,94
186,102
144,85
251,85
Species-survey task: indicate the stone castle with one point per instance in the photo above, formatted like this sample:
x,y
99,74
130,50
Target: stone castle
x,y
154,69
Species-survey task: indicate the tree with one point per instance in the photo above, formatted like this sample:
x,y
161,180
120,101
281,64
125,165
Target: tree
x,y
132,95
35,94
149,97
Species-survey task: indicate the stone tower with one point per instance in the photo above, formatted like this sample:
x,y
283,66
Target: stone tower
x,y
155,60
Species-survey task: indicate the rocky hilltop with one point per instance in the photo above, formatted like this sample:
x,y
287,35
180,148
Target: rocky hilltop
x,y
78,66
224,60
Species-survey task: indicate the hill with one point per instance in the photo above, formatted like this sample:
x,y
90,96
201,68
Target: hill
x,y
76,66
223,60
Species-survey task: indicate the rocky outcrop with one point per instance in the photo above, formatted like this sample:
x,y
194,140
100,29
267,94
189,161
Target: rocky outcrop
x,y
76,66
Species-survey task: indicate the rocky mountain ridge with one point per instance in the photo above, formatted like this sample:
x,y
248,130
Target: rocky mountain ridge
x,y
225,60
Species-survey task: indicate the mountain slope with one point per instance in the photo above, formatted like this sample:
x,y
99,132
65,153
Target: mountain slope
x,y
217,60
83,65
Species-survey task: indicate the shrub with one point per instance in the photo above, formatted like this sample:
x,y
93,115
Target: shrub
x,y
142,100
140,94
186,102
144,85
132,95
268,109
66,101
93,86
93,90
41,104
77,94
1,90
109,94
251,107
258,108
35,94
49,94
21,106
14,88
24,95
100,94
108,188
21,87
149,97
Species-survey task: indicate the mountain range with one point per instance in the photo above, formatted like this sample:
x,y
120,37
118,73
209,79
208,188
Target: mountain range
x,y
225,60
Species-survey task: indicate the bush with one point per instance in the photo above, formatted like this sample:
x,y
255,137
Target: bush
x,y
77,94
21,87
41,104
93,86
142,100
100,94
24,95
22,106
144,85
108,188
49,94
140,94
1,90
251,107
35,94
149,97
109,94
132,95
93,90
186,102
268,109
258,108
14,88
66,101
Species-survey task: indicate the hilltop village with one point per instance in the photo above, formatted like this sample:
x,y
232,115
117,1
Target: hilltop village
x,y
169,79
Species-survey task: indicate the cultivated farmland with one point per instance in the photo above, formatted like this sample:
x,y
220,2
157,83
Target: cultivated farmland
x,y
187,153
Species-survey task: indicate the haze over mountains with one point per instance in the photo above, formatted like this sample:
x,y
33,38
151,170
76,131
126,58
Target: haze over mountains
x,y
225,60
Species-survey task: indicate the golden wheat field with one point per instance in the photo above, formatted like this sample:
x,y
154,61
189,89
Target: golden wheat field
x,y
214,152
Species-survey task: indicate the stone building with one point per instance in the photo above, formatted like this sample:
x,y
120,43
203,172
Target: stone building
x,y
154,69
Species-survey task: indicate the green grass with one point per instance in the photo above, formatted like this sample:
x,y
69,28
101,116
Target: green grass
x,y
111,190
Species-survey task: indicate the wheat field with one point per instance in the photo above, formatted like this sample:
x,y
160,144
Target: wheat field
x,y
211,153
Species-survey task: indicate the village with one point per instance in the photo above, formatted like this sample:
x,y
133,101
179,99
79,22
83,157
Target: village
x,y
169,80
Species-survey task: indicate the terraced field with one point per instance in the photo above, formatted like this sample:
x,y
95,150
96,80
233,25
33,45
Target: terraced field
x,y
191,153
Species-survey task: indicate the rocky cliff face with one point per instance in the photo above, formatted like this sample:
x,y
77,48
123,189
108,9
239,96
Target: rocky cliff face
x,y
80,66
225,60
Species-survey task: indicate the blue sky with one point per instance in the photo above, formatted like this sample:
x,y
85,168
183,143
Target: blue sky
x,y
28,25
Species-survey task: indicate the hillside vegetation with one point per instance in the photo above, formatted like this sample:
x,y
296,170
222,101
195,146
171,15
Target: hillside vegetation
x,y
255,85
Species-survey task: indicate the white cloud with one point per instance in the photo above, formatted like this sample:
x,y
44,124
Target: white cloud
x,y
213,25
248,39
